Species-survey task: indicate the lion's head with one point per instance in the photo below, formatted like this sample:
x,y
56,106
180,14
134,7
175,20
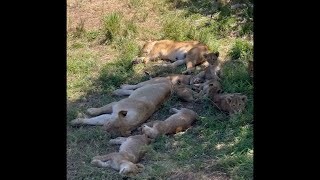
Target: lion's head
x,y
211,57
232,103
116,125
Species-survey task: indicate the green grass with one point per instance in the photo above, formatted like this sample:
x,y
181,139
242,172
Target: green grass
x,y
217,144
115,28
242,50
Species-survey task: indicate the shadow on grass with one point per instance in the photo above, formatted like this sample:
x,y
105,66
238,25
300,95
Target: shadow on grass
x,y
222,25
216,136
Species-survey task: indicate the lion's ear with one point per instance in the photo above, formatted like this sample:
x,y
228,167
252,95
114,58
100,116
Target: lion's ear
x,y
217,54
205,55
244,98
140,167
122,114
228,100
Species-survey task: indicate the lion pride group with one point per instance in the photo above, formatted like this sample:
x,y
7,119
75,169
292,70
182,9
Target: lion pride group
x,y
131,113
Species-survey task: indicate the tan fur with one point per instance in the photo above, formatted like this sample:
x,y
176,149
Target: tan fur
x,y
167,50
199,55
191,53
232,103
207,89
209,73
132,149
211,87
179,82
174,79
175,123
129,113
184,92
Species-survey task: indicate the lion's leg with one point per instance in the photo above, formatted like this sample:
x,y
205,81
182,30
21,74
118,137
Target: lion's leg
x,y
190,66
174,110
198,78
147,130
107,109
105,157
133,87
118,140
97,121
129,87
179,62
122,92
151,56
138,60
146,60
175,64
99,163
205,64
103,161
151,123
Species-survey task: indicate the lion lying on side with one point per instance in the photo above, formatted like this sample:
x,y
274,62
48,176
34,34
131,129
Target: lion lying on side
x,y
179,82
191,53
174,79
174,124
167,50
127,114
132,149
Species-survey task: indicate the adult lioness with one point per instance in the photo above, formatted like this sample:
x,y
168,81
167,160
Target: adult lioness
x,y
129,113
174,79
132,149
168,50
179,82
192,53
181,120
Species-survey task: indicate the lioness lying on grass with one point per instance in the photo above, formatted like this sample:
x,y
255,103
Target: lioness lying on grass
x,y
191,53
132,149
180,86
127,114
174,79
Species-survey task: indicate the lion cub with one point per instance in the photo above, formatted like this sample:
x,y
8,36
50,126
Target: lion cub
x,y
210,72
184,93
231,103
199,55
181,120
132,149
167,50
210,88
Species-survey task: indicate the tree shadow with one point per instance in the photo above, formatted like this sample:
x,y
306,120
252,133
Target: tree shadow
x,y
233,16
